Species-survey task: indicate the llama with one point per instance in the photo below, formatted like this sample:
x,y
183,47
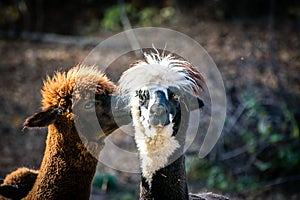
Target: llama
x,y
18,183
161,91
74,140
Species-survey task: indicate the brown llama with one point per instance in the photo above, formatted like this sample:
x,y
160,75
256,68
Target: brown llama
x,y
71,102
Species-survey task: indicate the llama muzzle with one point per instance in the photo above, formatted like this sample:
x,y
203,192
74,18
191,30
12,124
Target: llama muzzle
x,y
159,115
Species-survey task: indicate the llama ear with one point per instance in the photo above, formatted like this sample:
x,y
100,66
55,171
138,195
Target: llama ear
x,y
42,119
200,103
192,102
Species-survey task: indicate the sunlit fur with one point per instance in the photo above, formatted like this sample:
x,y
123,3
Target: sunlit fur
x,y
20,176
64,85
69,162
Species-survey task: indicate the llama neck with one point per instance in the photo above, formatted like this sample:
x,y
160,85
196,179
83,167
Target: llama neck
x,y
67,169
167,183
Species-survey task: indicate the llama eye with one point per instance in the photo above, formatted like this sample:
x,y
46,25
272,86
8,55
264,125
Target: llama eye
x,y
139,94
143,95
89,105
174,96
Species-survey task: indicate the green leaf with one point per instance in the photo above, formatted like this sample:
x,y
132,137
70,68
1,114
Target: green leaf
x,y
262,166
274,138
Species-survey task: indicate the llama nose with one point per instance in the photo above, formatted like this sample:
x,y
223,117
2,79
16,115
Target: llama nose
x,y
158,115
157,110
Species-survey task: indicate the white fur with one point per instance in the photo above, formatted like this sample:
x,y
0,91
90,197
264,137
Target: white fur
x,y
155,151
156,71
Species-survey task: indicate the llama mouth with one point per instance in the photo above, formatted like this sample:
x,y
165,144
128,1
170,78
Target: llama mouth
x,y
153,131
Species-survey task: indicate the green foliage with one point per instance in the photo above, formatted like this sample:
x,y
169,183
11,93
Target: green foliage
x,y
127,197
105,181
9,14
148,16
266,137
70,18
217,177
154,17
113,15
277,139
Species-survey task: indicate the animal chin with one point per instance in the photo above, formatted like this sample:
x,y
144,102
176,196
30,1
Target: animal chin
x,y
150,132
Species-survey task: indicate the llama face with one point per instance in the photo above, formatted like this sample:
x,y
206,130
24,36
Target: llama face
x,y
81,97
158,107
94,117
97,115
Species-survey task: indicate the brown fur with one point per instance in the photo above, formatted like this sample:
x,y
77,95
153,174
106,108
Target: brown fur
x,y
20,176
18,183
70,157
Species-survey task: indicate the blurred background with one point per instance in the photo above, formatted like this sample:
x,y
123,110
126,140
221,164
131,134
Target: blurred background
x,y
255,44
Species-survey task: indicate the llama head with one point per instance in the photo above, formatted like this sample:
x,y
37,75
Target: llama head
x,y
161,90
82,97
159,107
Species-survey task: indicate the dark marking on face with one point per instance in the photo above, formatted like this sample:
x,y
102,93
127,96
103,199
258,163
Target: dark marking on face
x,y
159,110
144,97
161,104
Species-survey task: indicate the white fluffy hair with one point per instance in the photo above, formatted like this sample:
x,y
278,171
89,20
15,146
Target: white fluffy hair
x,y
158,70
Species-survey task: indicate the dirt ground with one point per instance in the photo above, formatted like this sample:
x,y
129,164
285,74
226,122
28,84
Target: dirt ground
x,y
238,50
